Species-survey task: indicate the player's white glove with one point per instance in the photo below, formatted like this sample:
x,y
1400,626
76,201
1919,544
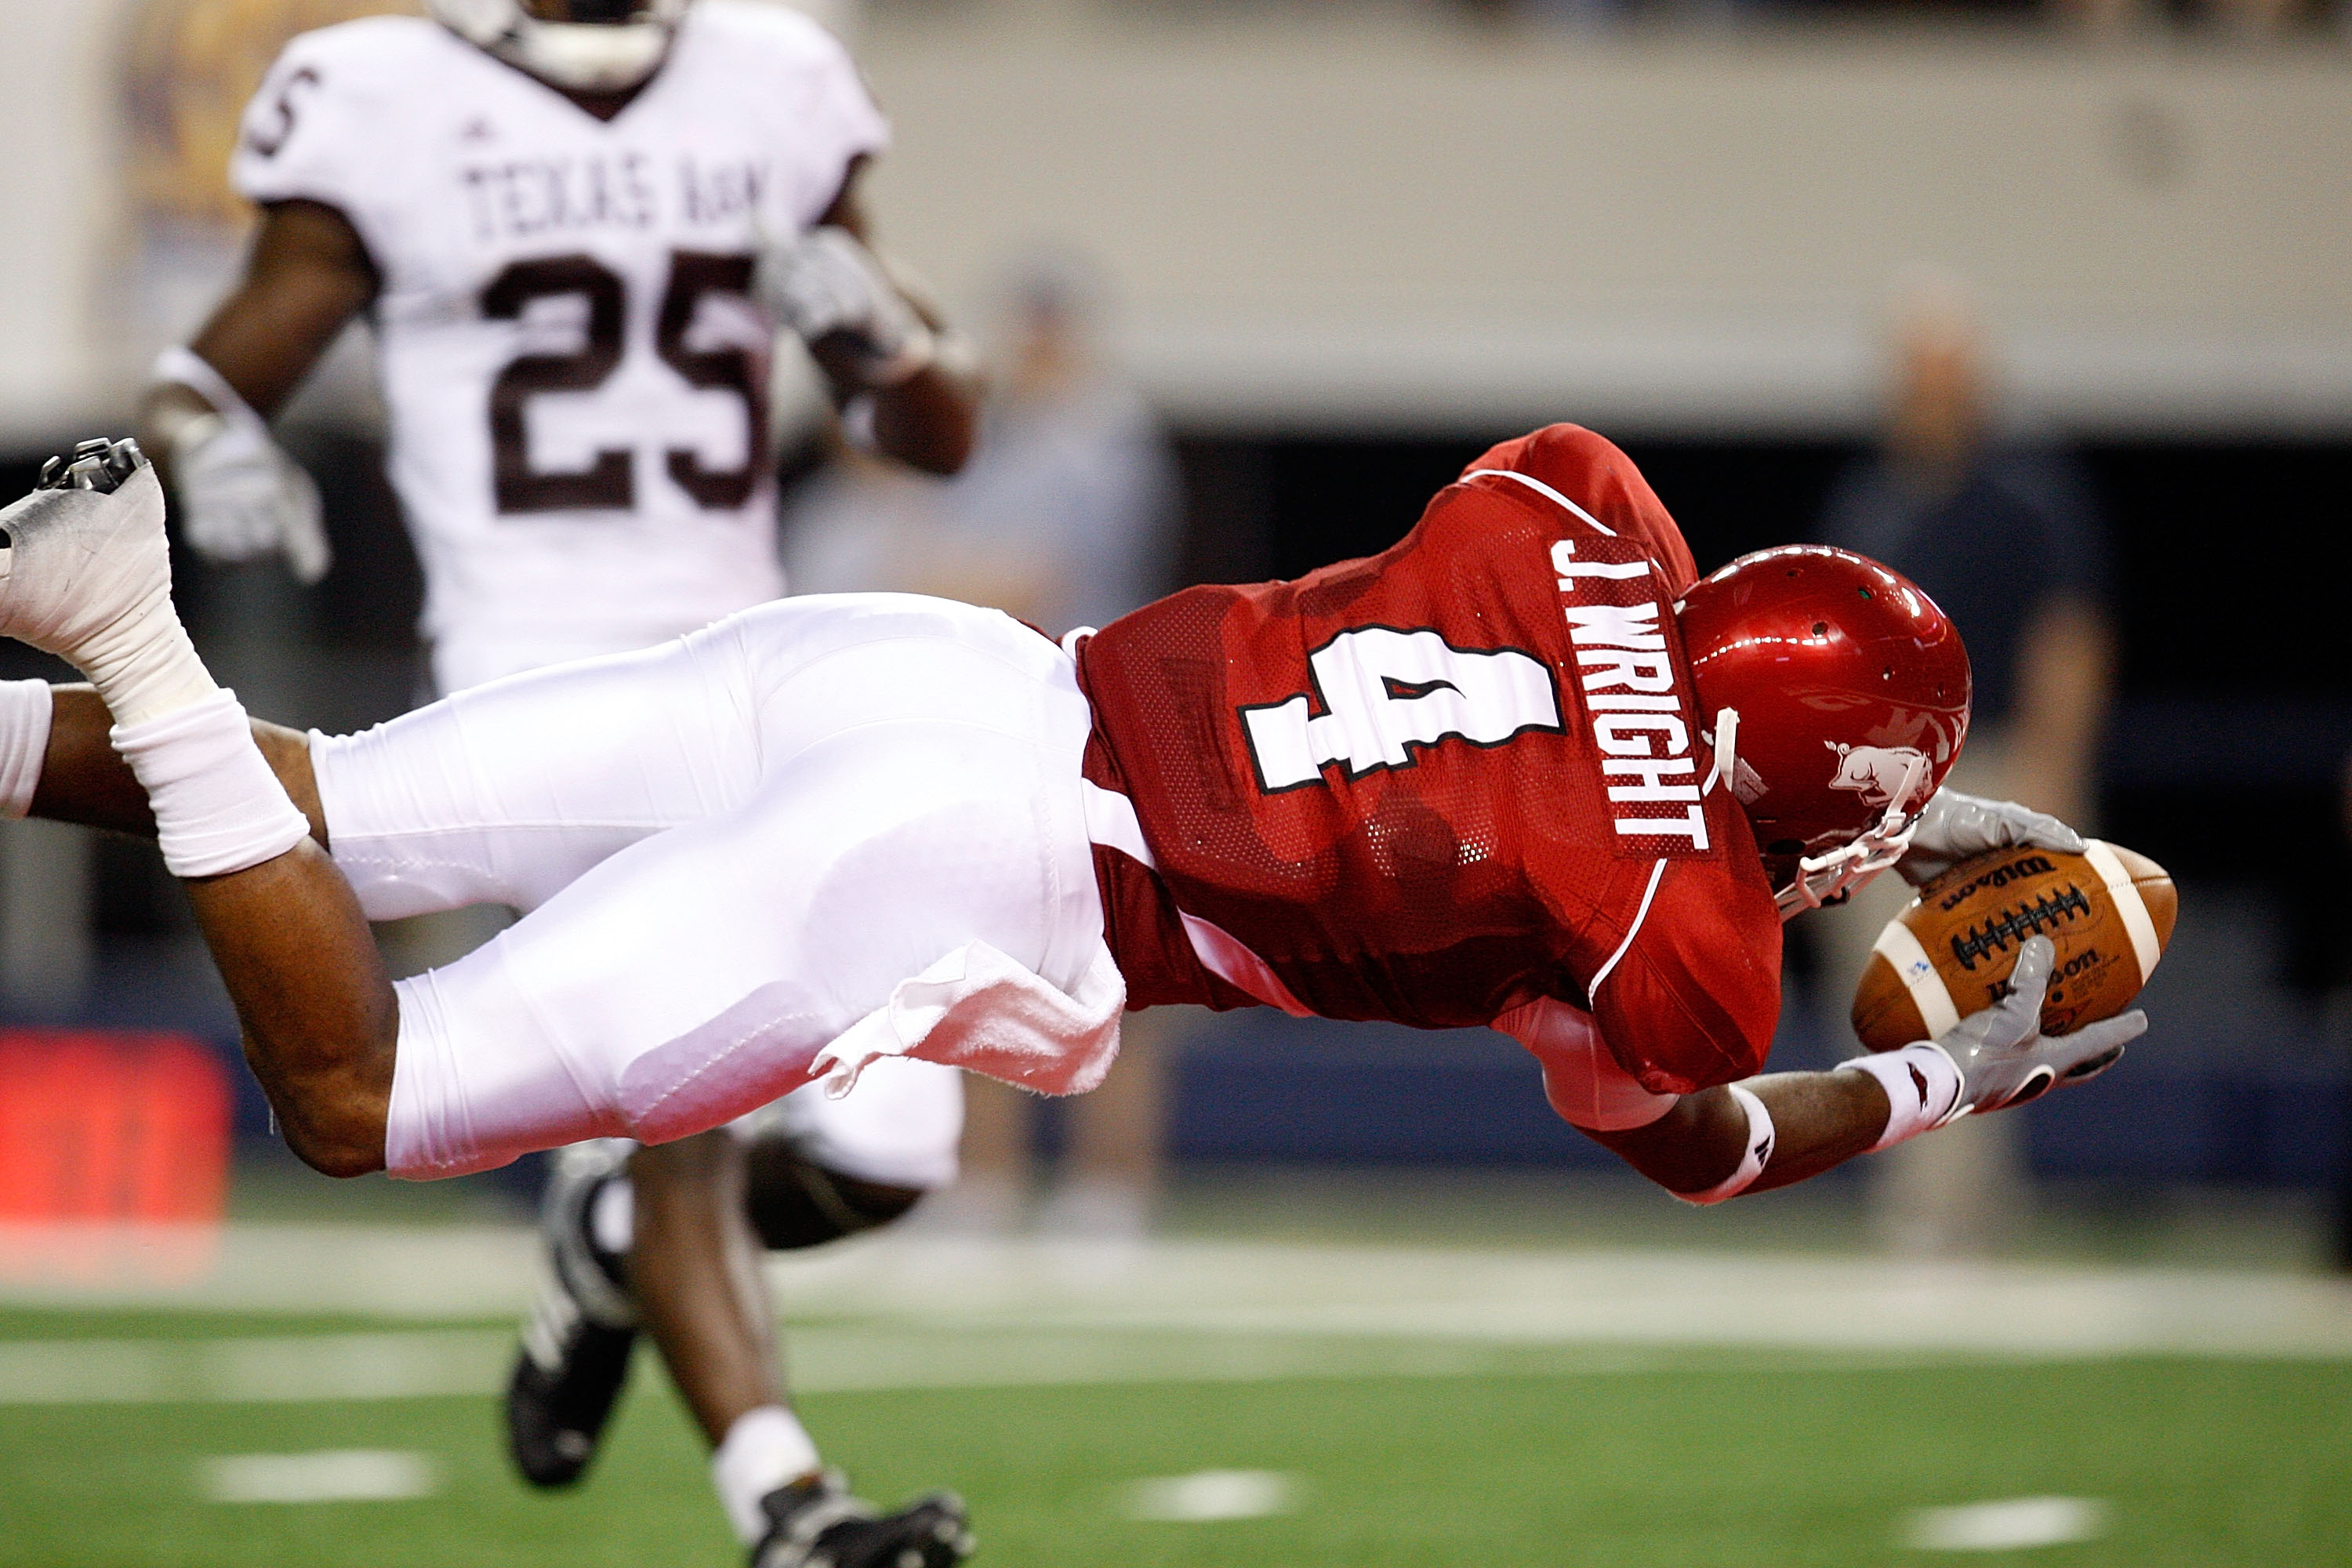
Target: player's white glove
x,y
240,496
2004,1057
826,284
1955,826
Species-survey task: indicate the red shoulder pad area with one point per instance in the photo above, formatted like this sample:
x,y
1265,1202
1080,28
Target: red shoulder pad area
x,y
1694,999
1590,470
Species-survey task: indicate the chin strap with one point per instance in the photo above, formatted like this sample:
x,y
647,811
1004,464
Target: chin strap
x,y
1821,879
1725,747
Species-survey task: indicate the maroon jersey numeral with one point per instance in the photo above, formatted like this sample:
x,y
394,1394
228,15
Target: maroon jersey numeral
x,y
268,144
694,278
609,482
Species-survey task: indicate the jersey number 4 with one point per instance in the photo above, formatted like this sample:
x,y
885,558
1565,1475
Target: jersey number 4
x,y
1385,691
609,483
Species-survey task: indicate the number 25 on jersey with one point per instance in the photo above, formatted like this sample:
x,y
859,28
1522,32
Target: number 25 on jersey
x,y
609,483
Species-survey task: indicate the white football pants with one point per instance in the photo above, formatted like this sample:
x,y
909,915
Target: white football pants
x,y
728,849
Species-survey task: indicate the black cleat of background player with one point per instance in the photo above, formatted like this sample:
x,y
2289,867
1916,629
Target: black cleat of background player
x,y
576,1348
815,1523
554,1419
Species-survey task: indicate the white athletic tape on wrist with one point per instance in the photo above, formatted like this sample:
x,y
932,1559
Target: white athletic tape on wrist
x,y
25,709
1758,1155
189,369
1923,1089
766,1449
218,806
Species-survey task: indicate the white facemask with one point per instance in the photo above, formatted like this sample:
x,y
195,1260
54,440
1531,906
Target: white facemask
x,y
1821,879
584,57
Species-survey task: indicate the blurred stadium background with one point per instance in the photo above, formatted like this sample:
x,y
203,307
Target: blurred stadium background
x,y
1391,1306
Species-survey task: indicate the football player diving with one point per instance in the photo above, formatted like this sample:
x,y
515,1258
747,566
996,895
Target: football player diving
x,y
1522,769
576,226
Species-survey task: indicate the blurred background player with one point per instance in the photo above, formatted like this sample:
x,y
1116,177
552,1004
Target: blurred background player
x,y
577,227
1066,517
2004,536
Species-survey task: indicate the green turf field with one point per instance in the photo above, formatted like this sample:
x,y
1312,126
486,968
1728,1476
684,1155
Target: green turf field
x,y
1567,1458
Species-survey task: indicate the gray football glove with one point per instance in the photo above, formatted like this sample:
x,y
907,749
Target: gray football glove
x,y
241,497
1955,826
826,284
2004,1057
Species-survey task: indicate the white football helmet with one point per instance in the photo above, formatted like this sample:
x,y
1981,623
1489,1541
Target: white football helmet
x,y
606,46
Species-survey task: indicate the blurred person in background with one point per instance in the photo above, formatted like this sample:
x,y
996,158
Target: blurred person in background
x,y
1066,517
2005,537
578,227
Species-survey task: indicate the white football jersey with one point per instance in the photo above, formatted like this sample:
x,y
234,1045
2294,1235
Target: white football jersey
x,y
576,374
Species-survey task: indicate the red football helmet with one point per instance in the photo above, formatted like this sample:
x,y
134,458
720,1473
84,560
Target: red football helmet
x,y
1851,691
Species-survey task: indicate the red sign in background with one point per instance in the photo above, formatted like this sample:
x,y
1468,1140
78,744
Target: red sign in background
x,y
114,1151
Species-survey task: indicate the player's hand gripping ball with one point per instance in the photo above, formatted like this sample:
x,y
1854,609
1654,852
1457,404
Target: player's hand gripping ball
x,y
2109,913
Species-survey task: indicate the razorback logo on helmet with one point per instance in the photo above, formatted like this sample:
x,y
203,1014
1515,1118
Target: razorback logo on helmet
x,y
1878,772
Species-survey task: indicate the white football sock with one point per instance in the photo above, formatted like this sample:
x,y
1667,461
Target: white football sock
x,y
766,1449
26,710
218,806
612,1216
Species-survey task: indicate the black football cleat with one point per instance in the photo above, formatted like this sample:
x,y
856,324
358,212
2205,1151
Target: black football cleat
x,y
815,1523
577,1340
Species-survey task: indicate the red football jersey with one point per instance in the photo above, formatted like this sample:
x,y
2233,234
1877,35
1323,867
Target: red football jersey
x,y
1439,784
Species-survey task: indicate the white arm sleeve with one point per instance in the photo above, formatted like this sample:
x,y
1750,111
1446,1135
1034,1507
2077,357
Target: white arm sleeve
x,y
1582,1080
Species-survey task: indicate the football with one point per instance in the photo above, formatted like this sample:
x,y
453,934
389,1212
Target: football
x,y
2108,910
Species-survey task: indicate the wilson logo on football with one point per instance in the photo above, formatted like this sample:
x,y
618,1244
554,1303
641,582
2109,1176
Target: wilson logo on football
x,y
1999,876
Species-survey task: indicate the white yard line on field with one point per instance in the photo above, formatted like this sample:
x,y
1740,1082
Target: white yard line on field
x,y
338,1475
909,1313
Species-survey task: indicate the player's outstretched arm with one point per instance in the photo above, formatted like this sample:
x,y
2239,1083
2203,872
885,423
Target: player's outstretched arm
x,y
1702,1149
85,575
206,416
1782,1128
874,336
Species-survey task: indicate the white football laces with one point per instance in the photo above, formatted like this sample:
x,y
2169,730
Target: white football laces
x,y
1822,878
